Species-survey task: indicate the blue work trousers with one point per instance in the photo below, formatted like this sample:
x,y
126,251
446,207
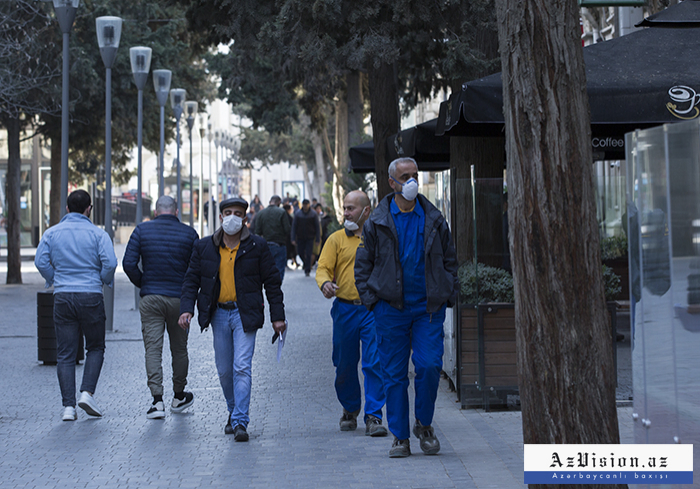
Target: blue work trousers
x,y
399,331
353,326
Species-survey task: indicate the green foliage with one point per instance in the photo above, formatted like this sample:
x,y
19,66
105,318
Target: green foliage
x,y
494,284
613,247
611,281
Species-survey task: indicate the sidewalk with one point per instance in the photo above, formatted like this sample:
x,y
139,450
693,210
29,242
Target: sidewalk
x,y
295,440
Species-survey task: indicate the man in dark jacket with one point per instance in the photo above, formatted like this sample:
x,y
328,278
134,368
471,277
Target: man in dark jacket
x,y
226,275
306,231
163,246
406,272
272,224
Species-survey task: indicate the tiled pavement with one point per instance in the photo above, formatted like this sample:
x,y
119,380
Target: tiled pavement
x,y
295,441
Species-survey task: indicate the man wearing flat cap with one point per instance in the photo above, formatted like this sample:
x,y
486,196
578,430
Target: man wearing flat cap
x,y
225,278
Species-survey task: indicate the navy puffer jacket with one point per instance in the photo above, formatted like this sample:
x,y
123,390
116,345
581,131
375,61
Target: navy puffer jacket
x,y
164,246
254,268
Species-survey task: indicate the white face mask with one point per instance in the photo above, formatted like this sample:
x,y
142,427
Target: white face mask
x,y
232,224
409,190
352,225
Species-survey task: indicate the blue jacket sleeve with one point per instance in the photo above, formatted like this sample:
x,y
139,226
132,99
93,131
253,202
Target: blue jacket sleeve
x,y
132,256
42,260
108,260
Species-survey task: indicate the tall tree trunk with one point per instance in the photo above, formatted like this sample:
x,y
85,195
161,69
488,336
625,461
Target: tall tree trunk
x,y
353,82
14,168
565,366
320,168
55,193
341,155
383,97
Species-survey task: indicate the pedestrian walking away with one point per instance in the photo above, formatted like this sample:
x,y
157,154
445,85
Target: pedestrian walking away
x,y
406,272
353,324
77,258
225,278
272,224
306,231
163,247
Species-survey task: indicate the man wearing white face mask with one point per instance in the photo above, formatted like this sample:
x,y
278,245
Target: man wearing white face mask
x,y
352,323
226,275
406,272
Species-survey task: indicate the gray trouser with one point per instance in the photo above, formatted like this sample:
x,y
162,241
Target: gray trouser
x,y
157,313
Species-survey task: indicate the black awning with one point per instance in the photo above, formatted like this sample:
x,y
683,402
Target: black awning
x,y
431,152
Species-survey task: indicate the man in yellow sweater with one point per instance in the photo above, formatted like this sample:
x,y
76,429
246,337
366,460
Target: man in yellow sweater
x,y
352,322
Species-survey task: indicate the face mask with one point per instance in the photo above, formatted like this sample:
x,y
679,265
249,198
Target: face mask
x,y
352,225
409,190
232,224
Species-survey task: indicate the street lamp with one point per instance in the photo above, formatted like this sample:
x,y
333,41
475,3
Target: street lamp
x,y
202,132
65,12
109,31
217,143
177,97
161,82
140,65
191,111
210,218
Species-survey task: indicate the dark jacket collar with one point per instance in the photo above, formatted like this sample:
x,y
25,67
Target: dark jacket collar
x,y
171,217
218,236
382,214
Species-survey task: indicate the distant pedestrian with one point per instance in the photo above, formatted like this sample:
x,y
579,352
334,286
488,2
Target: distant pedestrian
x,y
225,278
273,224
256,205
163,247
306,231
77,258
406,272
353,324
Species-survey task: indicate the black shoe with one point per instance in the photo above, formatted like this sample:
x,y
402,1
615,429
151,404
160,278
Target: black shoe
x,y
307,273
228,429
400,448
373,426
239,433
428,441
179,405
348,421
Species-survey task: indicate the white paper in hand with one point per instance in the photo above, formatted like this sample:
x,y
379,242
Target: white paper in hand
x,y
280,345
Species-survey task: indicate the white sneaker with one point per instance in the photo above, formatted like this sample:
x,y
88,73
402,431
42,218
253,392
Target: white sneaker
x,y
69,414
88,404
157,411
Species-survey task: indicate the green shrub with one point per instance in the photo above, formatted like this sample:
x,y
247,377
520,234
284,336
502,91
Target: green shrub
x,y
612,283
495,284
613,247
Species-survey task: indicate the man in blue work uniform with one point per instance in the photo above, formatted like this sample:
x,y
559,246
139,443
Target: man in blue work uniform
x,y
406,272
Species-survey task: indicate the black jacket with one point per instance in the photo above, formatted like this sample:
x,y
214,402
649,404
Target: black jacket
x,y
378,273
253,268
305,226
164,246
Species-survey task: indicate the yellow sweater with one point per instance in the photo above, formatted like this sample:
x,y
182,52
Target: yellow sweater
x,y
337,264
226,276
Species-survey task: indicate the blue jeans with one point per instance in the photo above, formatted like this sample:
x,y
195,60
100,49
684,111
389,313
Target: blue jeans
x,y
233,354
73,312
399,331
353,325
279,253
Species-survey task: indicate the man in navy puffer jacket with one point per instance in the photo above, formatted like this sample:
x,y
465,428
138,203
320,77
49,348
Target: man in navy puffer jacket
x,y
163,246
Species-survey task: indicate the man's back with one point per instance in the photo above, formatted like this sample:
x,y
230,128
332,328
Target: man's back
x,y
164,246
272,224
76,256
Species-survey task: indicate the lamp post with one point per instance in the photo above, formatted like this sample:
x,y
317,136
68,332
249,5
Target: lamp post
x,y
140,65
65,12
200,213
217,142
210,218
109,30
191,111
177,97
224,166
161,82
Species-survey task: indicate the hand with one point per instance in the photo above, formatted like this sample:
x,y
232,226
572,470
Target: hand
x,y
184,320
279,326
329,289
294,243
